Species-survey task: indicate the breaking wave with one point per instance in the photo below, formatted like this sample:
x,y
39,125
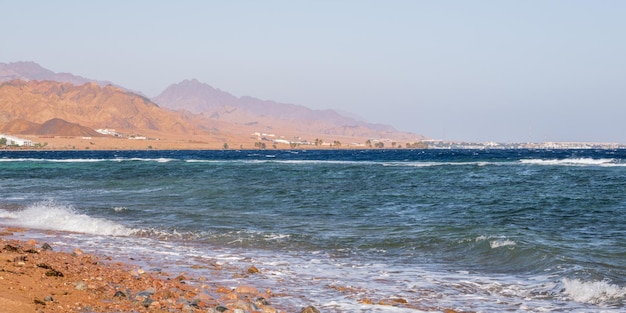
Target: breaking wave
x,y
49,215
594,292
574,162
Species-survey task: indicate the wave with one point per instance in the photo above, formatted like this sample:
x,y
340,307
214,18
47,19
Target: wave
x,y
574,162
350,162
53,160
497,242
48,215
501,243
203,161
86,160
158,160
431,163
594,292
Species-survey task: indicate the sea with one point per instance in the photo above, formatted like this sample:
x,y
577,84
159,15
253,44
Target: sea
x,y
396,230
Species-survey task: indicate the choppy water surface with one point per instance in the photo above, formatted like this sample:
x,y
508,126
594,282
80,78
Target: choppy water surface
x,y
487,231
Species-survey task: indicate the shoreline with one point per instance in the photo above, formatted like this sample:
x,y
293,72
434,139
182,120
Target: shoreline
x,y
36,278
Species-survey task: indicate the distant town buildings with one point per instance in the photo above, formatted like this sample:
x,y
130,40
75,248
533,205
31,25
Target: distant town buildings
x,y
15,141
110,132
437,144
440,144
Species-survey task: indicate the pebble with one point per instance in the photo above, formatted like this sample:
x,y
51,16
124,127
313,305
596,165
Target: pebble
x,y
119,294
146,302
146,293
10,248
310,309
269,309
81,286
246,289
55,273
261,301
241,305
20,258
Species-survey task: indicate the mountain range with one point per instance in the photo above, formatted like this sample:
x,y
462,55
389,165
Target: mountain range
x,y
32,96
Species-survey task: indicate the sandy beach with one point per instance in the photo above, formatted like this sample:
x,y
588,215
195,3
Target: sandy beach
x,y
36,278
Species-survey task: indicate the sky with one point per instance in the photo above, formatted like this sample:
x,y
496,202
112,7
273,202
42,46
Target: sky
x,y
504,71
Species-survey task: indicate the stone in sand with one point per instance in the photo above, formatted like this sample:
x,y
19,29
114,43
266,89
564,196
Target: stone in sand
x,y
146,302
54,273
10,248
310,309
119,294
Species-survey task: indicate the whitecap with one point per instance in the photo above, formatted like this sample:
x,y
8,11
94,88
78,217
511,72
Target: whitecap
x,y
49,215
120,209
595,292
501,243
572,162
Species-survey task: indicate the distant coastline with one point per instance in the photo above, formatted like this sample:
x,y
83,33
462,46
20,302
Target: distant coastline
x,y
68,143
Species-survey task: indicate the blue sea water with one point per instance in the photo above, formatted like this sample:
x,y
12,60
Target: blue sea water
x,y
471,230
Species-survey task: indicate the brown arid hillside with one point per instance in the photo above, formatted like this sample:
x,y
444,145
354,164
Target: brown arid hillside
x,y
55,109
53,127
88,105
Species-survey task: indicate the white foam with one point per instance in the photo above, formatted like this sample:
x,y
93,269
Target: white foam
x,y
595,292
119,209
498,241
158,160
574,162
203,161
49,215
501,243
274,236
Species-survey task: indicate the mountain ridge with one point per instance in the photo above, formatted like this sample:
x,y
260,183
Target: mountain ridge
x,y
215,104
88,105
28,70
188,109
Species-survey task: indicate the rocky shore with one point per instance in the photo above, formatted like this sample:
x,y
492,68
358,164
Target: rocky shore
x,y
36,278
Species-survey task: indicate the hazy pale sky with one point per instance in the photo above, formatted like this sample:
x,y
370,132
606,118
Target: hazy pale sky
x,y
512,71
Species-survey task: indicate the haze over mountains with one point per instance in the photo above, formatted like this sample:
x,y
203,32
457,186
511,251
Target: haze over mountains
x,y
31,96
33,71
264,115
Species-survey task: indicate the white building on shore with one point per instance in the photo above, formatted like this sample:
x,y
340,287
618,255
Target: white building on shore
x,y
15,141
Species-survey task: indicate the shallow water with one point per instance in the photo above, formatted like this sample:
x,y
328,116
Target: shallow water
x,y
480,230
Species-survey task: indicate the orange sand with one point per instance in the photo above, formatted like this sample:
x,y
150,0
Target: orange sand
x,y
34,279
